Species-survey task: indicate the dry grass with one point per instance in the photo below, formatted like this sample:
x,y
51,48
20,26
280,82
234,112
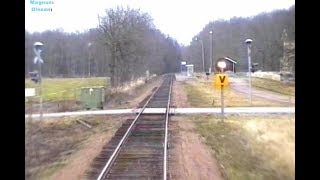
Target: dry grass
x,y
251,147
50,144
202,94
275,86
131,97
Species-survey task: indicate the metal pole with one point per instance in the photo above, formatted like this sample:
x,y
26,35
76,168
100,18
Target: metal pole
x,y
191,57
210,52
89,64
202,56
222,102
37,49
40,90
249,69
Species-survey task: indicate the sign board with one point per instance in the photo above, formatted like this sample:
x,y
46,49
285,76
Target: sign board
x,y
221,80
30,92
37,59
183,62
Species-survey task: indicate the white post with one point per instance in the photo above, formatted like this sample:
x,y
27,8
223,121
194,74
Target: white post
x,y
222,65
222,101
202,56
249,68
222,104
211,60
37,49
40,90
248,41
202,52
89,61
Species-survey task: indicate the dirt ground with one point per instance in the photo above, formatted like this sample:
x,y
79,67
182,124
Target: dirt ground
x,y
179,97
64,148
189,157
81,161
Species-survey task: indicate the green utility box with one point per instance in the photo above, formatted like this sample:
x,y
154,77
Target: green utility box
x,y
92,97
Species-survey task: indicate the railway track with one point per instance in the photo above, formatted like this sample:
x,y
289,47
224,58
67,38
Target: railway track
x,y
138,150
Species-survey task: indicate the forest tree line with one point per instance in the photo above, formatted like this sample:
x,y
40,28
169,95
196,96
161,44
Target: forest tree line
x,y
228,39
124,46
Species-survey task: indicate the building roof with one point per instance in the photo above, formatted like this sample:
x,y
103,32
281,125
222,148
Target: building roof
x,y
227,58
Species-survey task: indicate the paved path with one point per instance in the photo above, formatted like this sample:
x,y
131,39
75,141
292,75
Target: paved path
x,y
240,84
227,110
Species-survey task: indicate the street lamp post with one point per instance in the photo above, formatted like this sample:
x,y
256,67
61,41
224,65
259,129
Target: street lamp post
x,y
202,52
89,61
37,47
210,69
248,42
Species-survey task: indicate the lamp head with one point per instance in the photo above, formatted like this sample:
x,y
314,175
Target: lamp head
x,y
222,64
248,41
38,46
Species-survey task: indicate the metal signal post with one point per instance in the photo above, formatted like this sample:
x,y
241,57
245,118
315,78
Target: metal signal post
x,y
37,47
222,80
248,42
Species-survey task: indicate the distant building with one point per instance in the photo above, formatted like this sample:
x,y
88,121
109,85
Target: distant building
x,y
229,62
183,68
189,70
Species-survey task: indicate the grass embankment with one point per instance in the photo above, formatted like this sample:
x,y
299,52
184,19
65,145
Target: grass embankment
x,y
50,144
59,89
275,86
202,94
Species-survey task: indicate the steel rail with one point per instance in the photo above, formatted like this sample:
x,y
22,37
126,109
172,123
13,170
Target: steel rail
x,y
166,135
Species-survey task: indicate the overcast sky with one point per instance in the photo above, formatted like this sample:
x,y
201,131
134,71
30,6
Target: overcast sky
x,y
181,19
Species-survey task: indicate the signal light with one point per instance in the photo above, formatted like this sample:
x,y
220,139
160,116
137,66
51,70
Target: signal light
x,y
34,77
254,67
